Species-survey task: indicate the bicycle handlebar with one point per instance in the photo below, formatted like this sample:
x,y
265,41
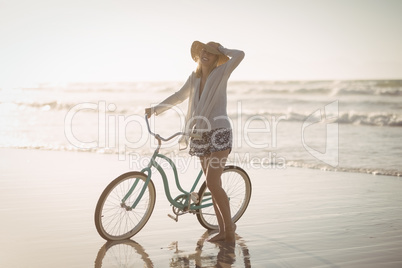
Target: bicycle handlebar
x,y
158,137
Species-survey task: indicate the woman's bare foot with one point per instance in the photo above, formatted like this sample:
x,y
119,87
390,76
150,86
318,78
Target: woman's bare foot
x,y
227,235
217,238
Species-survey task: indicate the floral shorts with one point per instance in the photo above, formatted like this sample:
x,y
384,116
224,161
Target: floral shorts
x,y
216,140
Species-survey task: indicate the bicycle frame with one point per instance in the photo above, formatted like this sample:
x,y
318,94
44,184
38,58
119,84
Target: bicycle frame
x,y
187,205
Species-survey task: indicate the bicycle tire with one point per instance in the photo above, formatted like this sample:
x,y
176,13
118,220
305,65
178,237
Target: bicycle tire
x,y
112,220
237,185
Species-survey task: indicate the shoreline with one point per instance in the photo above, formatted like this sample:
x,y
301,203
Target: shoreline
x,y
324,168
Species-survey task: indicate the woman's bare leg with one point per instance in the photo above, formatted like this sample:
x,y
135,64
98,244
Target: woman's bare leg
x,y
216,164
204,163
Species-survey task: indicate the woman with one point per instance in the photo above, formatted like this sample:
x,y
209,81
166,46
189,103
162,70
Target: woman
x,y
206,90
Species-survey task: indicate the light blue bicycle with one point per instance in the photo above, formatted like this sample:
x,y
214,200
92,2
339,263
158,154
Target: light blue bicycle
x,y
127,202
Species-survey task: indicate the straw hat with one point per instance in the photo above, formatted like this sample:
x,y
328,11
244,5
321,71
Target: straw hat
x,y
197,46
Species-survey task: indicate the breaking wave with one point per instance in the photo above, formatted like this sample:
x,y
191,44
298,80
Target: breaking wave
x,y
352,118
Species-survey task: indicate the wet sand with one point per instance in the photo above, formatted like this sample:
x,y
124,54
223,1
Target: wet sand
x,y
296,218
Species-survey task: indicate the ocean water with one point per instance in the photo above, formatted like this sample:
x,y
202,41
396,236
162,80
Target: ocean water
x,y
344,126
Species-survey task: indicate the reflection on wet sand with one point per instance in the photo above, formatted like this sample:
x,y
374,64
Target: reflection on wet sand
x,y
128,253
219,255
125,253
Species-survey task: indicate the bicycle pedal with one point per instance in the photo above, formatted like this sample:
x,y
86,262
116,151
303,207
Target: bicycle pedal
x,y
176,219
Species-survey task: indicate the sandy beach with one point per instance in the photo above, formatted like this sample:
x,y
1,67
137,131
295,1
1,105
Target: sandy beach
x,y
296,218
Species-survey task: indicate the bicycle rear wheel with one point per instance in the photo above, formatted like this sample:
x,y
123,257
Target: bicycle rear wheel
x,y
237,186
114,219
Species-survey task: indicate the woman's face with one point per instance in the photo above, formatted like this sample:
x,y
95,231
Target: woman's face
x,y
208,59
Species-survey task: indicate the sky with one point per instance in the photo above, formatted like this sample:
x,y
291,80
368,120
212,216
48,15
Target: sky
x,y
61,41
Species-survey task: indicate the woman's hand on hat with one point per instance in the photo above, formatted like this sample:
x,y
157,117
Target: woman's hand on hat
x,y
216,44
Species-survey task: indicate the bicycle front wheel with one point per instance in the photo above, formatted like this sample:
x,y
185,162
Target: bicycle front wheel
x,y
114,218
237,186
